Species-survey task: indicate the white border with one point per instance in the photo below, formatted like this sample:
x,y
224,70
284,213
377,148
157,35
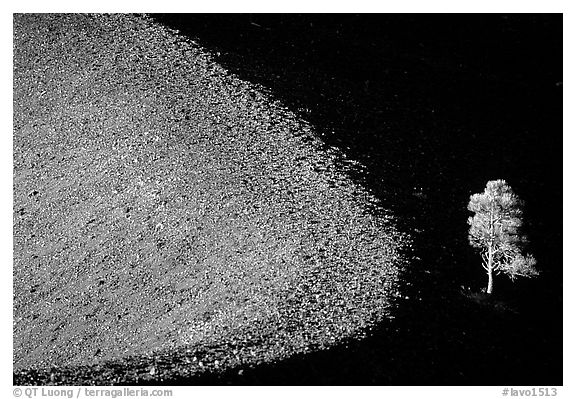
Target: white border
x,y
422,6
309,6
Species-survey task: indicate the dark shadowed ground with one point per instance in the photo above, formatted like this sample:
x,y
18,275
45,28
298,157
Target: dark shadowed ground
x,y
448,102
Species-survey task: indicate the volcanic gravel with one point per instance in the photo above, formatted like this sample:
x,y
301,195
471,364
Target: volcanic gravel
x,y
171,219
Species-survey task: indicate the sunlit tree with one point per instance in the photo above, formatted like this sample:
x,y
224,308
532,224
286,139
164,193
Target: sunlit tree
x,y
495,230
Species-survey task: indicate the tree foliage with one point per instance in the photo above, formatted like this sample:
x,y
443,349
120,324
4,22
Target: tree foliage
x,y
495,230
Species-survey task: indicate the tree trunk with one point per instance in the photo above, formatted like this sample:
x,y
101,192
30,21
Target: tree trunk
x,y
490,270
490,282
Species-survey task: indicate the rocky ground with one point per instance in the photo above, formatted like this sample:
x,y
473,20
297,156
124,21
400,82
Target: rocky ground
x,y
171,219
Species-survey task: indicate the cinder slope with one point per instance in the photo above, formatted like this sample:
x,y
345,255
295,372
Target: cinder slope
x,y
162,205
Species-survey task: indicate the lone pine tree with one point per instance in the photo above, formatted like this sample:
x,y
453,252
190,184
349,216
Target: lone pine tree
x,y
495,232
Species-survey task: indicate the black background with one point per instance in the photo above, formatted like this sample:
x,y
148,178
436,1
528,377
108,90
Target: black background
x,y
434,106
